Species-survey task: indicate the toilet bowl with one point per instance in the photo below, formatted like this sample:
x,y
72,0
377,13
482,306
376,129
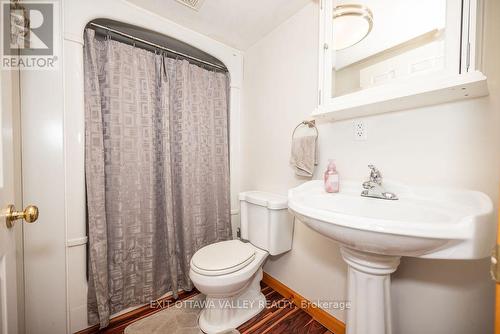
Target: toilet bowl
x,y
229,272
232,288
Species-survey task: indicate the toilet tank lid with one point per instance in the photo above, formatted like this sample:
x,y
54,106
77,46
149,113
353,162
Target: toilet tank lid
x,y
269,200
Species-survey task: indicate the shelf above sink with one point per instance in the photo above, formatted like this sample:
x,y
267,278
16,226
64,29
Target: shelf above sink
x,y
418,93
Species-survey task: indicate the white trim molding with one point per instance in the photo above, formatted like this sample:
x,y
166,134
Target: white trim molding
x,y
77,242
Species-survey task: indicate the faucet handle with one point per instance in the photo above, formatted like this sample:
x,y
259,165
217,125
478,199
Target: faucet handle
x,y
375,175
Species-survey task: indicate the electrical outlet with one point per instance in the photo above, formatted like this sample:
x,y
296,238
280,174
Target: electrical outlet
x,y
359,130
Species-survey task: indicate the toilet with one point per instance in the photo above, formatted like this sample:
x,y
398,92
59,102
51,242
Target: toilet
x,y
229,272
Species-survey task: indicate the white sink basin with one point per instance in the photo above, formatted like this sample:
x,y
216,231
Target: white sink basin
x,y
374,233
424,222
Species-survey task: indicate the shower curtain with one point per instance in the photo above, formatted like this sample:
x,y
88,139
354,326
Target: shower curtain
x,y
157,172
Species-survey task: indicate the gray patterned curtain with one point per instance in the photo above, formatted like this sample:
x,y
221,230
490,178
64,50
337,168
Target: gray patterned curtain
x,y
157,172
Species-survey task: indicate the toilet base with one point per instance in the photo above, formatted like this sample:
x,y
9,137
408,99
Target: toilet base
x,y
225,313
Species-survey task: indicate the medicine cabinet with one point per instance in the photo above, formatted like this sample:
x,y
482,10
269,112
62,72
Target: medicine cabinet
x,y
377,56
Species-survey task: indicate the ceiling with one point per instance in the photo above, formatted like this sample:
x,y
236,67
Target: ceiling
x,y
237,23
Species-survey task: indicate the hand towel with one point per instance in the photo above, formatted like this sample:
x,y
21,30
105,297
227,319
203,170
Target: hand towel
x,y
303,156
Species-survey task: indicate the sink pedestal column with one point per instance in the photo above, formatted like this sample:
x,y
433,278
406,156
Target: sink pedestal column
x,y
368,291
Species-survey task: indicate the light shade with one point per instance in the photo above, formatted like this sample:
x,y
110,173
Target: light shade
x,y
351,24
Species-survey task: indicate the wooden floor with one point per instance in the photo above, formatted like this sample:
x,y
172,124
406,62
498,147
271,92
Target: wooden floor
x,y
281,316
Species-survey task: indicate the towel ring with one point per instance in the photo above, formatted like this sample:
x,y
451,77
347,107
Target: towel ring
x,y
310,124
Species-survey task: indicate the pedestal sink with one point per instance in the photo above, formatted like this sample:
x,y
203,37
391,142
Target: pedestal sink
x,y
374,233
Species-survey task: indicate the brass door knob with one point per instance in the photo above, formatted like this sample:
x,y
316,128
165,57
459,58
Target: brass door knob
x,y
30,215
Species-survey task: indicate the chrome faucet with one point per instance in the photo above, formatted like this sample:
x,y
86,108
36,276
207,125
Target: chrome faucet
x,y
373,187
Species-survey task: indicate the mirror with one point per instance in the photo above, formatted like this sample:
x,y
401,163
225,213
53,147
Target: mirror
x,y
382,42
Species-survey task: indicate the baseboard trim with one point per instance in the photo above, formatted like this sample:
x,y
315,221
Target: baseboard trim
x,y
326,319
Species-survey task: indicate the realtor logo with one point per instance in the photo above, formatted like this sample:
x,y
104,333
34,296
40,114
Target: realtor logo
x,y
28,35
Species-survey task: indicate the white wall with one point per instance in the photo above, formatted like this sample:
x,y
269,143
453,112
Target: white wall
x,y
454,144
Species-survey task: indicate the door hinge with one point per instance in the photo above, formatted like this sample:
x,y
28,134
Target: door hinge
x,y
494,267
319,97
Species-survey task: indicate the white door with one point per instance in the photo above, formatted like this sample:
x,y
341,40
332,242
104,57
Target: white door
x,y
11,248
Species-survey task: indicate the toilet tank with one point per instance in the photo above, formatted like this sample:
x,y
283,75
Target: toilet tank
x,y
266,222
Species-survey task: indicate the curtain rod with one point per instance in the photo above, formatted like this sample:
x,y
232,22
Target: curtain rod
x,y
223,68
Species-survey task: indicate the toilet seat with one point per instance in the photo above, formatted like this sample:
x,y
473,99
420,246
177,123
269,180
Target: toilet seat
x,y
222,258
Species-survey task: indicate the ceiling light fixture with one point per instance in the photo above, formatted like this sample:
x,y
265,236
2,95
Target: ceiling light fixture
x,y
351,24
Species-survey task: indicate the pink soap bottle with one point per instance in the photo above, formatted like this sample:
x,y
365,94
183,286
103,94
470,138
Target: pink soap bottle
x,y
331,178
